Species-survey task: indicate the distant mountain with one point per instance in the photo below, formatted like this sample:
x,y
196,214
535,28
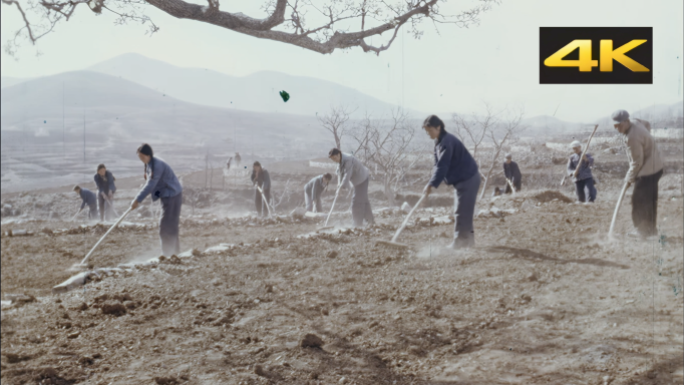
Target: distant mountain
x,y
68,123
659,115
257,92
6,81
544,124
661,111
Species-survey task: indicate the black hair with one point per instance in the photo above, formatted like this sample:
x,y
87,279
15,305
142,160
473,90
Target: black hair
x,y
146,149
327,176
100,166
434,121
257,164
334,151
77,188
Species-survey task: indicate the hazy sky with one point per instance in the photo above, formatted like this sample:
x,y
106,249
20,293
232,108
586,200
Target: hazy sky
x,y
450,71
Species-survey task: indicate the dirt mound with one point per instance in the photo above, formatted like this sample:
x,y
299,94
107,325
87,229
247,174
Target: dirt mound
x,y
549,195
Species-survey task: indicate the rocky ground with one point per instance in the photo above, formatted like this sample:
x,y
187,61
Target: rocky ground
x,y
544,298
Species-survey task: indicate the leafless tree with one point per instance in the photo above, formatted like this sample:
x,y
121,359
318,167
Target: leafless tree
x,y
318,25
473,131
386,144
283,197
335,121
507,130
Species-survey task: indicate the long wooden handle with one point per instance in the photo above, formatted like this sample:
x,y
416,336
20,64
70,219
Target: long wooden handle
x,y
617,208
263,199
332,207
105,235
511,184
403,225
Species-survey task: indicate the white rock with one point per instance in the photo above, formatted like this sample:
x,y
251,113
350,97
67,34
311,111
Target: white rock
x,y
405,207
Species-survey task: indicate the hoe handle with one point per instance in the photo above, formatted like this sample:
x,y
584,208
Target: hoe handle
x,y
617,208
332,207
105,235
403,225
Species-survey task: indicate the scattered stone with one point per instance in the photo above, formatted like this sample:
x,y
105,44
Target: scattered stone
x,y
73,335
114,308
532,277
166,381
405,207
332,254
13,358
311,341
259,370
20,298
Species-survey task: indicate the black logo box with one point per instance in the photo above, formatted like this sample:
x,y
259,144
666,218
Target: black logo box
x,y
551,39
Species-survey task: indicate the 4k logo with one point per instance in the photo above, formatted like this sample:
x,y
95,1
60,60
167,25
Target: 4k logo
x,y
596,55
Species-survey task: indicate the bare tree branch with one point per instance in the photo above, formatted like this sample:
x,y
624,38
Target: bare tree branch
x,y
331,33
335,121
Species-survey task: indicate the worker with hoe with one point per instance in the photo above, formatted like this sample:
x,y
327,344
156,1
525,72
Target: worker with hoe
x,y
645,170
88,198
313,191
581,173
262,179
512,173
162,184
456,167
105,192
351,171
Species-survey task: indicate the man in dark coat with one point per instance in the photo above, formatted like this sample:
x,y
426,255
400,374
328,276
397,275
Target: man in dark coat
x,y
512,173
261,179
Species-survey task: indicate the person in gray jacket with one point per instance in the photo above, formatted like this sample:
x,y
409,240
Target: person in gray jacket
x,y
162,184
351,170
645,170
87,198
313,191
105,192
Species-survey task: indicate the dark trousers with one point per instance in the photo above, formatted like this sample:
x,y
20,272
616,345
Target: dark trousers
x,y
312,203
516,184
169,224
645,204
579,189
92,211
465,195
106,210
262,210
361,207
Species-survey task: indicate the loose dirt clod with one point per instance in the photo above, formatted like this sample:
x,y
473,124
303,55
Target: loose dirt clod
x,y
259,370
114,308
166,381
311,341
13,358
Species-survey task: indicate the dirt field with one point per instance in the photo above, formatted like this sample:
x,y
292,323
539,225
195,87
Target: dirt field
x,y
544,298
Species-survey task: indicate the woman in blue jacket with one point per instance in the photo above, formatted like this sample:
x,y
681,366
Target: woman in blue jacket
x,y
162,184
454,166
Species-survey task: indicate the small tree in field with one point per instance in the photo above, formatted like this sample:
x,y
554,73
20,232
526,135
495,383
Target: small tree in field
x,y
491,129
508,130
385,144
335,121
